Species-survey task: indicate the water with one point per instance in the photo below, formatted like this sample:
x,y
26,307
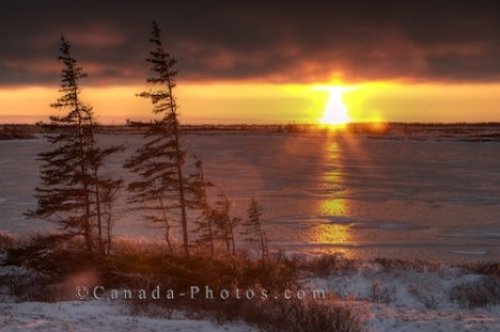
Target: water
x,y
353,194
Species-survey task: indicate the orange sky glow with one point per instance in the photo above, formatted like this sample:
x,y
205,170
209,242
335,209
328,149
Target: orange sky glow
x,y
261,103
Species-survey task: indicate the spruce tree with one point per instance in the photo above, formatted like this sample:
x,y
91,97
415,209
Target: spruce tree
x,y
71,182
109,189
253,231
224,223
198,187
214,223
161,186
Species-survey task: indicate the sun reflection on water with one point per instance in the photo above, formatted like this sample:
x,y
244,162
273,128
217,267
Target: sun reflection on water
x,y
335,207
331,234
334,235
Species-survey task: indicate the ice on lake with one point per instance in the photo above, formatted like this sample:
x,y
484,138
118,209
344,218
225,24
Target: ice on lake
x,y
340,193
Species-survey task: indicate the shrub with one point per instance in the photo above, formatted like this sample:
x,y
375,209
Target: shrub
x,y
141,266
380,294
479,293
425,295
7,241
289,315
308,317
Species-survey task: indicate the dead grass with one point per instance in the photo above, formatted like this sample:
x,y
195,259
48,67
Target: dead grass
x,y
391,264
488,268
283,315
326,265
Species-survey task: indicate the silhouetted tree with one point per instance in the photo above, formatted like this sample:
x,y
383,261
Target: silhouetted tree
x,y
70,192
161,186
214,223
108,189
253,231
225,224
197,186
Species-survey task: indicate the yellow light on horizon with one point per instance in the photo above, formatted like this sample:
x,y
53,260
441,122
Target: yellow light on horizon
x,y
335,112
325,104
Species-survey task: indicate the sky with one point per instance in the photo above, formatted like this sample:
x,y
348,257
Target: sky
x,y
260,61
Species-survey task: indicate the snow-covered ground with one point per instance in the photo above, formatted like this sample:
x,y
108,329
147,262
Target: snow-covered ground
x,y
102,316
401,299
96,316
89,315
386,298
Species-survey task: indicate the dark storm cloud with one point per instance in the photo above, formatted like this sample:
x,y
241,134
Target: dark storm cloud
x,y
272,41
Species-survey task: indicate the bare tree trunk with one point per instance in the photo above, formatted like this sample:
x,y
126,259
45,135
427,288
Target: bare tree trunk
x,y
167,226
263,244
180,178
231,238
211,237
98,208
99,217
108,232
207,213
87,225
167,238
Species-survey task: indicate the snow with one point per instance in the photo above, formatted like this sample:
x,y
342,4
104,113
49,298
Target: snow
x,y
398,309
95,316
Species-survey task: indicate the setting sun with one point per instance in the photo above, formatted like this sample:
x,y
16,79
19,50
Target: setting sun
x,y
335,112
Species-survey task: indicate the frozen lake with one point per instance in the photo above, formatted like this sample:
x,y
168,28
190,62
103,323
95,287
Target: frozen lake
x,y
353,194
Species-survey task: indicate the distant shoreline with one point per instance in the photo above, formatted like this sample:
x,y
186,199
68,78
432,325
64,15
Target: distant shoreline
x,y
466,132
16,132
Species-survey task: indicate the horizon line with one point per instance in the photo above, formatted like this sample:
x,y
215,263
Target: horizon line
x,y
284,124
